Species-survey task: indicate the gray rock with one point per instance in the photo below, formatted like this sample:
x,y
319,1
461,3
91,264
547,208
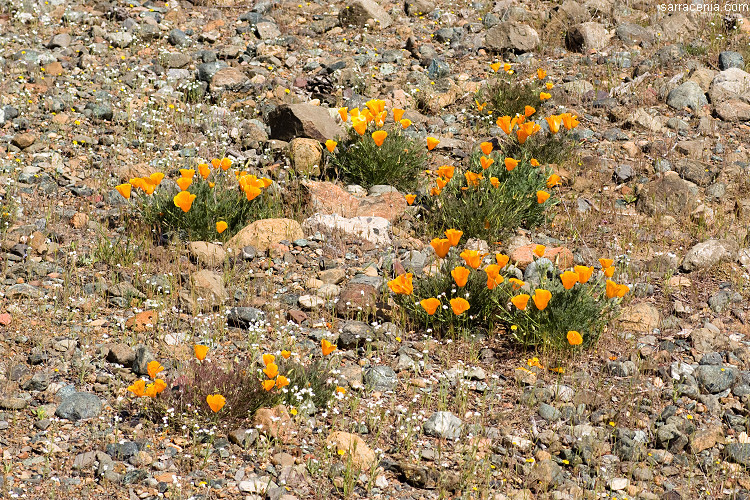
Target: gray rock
x,y
716,378
142,358
60,40
380,378
730,59
418,7
623,173
355,334
511,36
121,354
438,69
243,437
732,83
206,71
178,37
723,299
549,412
22,291
13,403
120,40
687,95
587,36
634,34
696,171
358,12
738,453
243,317
669,195
303,120
79,406
622,368
122,451
267,30
710,253
444,425
733,110
38,382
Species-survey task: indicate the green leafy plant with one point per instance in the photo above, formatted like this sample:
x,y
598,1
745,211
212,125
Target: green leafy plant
x,y
507,94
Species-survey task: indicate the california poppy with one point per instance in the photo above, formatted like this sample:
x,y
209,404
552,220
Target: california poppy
x,y
542,196
496,66
495,182
480,107
526,130
268,384
569,279
441,246
216,402
541,74
402,284
614,290
609,271
486,162
327,347
584,273
486,147
528,111
200,351
460,276
543,96
506,67
441,182
472,179
184,183
225,164
574,338
501,259
124,190
606,263
379,136
184,200
376,105
459,305
472,258
431,143
541,298
505,123
156,178
554,122
271,370
354,113
430,305
520,301
187,172
539,250
549,85
446,171
569,121
553,180
510,164
516,283
397,114
268,359
435,191
493,276
158,386
216,163
359,125
281,382
153,368
405,122
410,198
204,170
285,354
331,145
454,236
138,388
534,162
343,113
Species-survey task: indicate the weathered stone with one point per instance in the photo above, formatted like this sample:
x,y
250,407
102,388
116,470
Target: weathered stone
x,y
640,317
206,253
360,12
511,36
79,406
443,425
373,229
710,253
264,233
208,288
303,120
354,446
688,95
306,155
669,195
228,79
586,37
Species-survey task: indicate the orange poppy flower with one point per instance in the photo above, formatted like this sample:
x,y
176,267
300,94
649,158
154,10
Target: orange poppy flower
x,y
184,183
542,196
221,226
460,276
286,354
156,178
216,163
510,164
493,276
282,382
480,107
354,113
184,200
574,338
534,162
539,250
505,123
528,111
486,147
441,246
553,180
516,283
379,136
271,370
405,122
495,182
459,306
430,305
446,171
554,122
435,191
614,290
584,273
158,386
124,190
225,164
609,271
549,85
543,96
569,279
541,298
200,351
138,388
454,236
526,130
472,179
327,347
541,74
569,121
216,402
187,172
397,114
204,170
410,198
501,259
268,384
359,125
441,182
402,284
506,67
331,145
606,263
375,105
154,368
268,359
521,301
486,162
431,143
343,113
472,258
496,66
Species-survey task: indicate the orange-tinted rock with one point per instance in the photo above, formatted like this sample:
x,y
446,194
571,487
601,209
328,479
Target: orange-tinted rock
x,y
560,256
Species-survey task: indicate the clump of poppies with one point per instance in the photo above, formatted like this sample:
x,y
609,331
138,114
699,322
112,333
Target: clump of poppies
x,y
481,292
209,202
376,149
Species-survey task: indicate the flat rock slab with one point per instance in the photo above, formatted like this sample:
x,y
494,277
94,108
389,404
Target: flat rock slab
x,y
79,406
303,120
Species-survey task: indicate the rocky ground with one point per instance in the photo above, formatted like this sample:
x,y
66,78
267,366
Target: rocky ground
x,y
95,93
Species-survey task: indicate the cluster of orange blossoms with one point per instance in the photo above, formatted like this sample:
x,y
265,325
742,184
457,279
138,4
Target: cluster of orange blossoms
x,y
271,371
139,387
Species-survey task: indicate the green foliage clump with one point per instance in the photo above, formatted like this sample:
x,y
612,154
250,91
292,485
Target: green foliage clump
x,y
397,162
507,94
